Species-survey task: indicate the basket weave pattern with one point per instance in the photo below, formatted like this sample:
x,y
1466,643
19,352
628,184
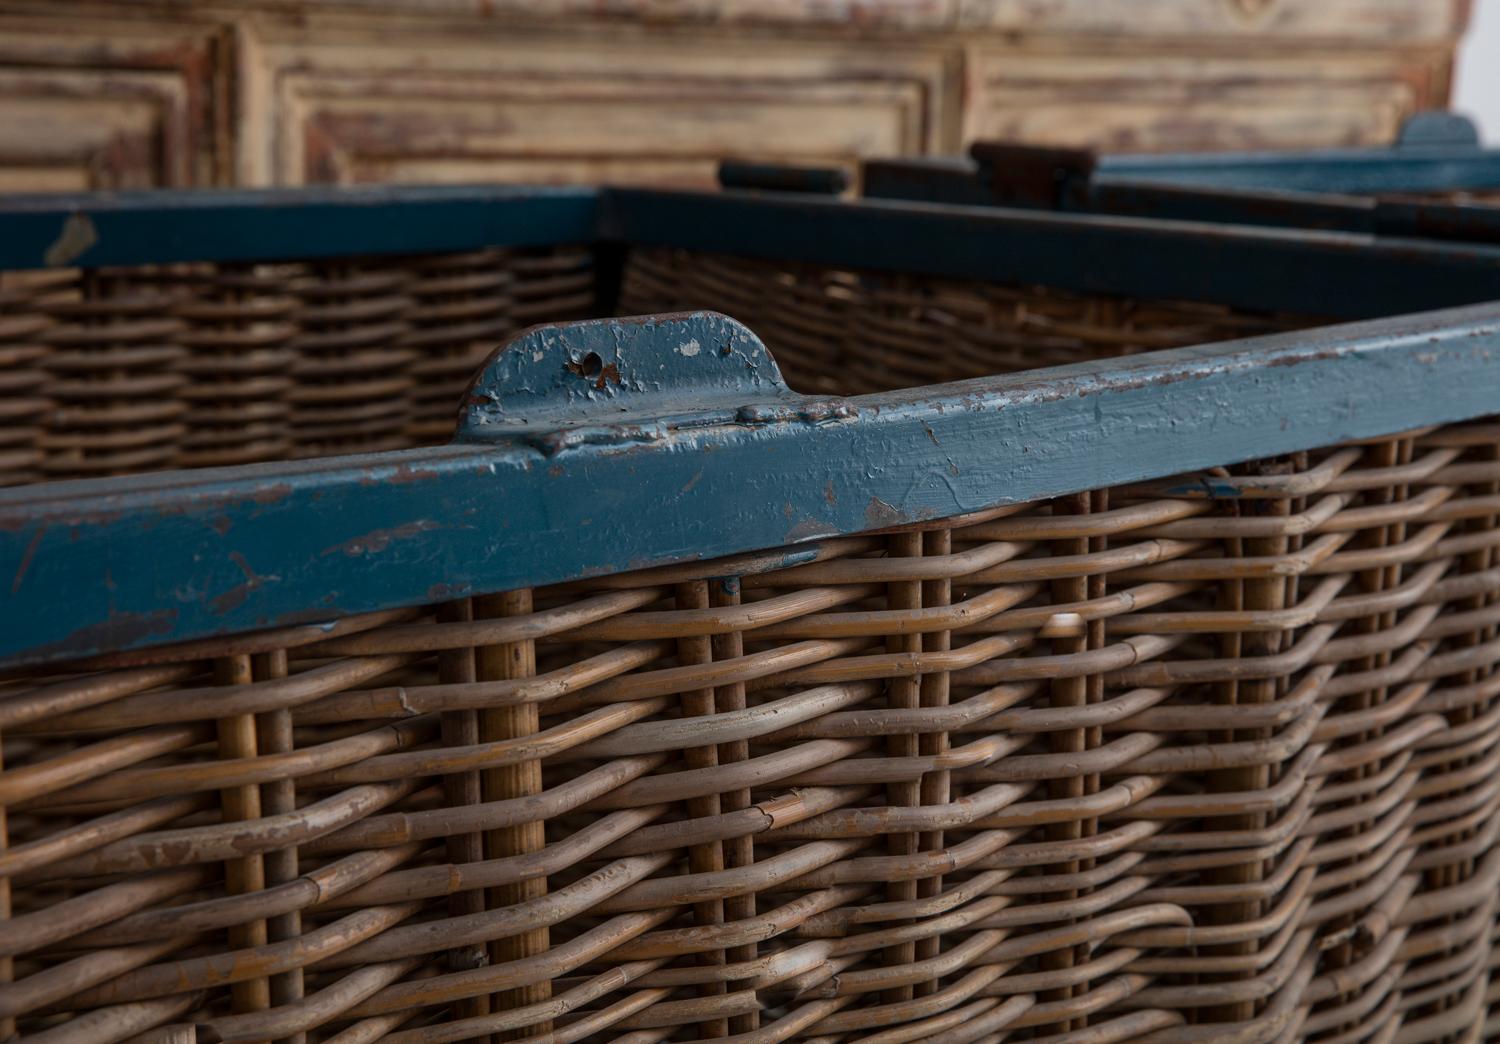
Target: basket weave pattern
x,y
853,333
132,370
1209,759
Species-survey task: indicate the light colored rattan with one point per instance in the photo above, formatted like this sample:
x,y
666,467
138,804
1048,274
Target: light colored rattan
x,y
1117,764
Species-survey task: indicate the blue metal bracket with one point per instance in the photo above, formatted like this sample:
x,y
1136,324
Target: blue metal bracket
x,y
1426,129
640,379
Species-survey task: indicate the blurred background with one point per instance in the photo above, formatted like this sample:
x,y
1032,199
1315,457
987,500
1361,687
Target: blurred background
x,y
1476,87
272,92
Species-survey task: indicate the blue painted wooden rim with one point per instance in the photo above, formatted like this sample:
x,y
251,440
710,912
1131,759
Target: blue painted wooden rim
x,y
1333,274
159,227
129,563
703,470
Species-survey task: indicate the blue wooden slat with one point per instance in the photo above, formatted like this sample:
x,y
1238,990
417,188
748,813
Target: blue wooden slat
x,y
1345,275
1336,276
1273,208
1477,223
1355,171
130,563
133,228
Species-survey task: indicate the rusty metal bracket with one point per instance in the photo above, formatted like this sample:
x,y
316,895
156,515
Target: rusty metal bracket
x,y
639,379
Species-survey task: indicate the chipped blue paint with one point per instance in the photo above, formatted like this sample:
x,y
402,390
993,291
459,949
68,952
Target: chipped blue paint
x,y
155,558
611,381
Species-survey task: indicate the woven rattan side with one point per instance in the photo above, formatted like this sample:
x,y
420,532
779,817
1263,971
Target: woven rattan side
x,y
24,405
854,333
129,370
1202,759
112,365
352,386
462,309
237,332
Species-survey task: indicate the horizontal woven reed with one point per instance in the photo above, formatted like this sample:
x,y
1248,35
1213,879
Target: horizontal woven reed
x,y
130,370
351,386
113,360
851,333
1130,764
239,365
211,365
23,376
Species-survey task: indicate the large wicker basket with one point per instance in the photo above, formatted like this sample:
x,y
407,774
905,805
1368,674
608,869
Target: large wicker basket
x,y
1437,182
1116,699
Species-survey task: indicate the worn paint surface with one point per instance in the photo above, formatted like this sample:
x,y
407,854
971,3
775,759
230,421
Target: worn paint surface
x,y
134,228
171,557
607,381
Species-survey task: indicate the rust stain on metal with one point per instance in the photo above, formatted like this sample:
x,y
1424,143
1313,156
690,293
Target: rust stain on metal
x,y
592,368
273,494
407,473
116,630
235,597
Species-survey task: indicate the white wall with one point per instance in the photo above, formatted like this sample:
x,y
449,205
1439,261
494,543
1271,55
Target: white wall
x,y
1476,87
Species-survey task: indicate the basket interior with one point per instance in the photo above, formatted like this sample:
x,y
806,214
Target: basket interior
x,y
131,370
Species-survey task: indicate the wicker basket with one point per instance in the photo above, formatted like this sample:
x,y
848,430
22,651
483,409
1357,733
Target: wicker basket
x,y
1166,757
1421,187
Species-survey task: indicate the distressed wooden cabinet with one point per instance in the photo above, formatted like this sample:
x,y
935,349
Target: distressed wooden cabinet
x,y
261,92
